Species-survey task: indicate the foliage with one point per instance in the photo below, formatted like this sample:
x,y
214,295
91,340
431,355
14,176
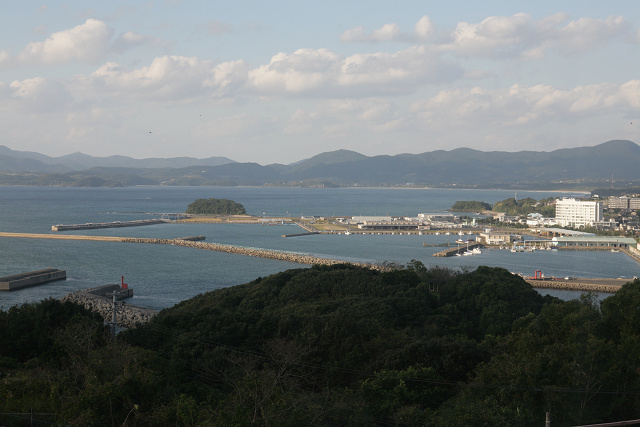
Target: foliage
x,y
470,206
215,207
334,345
526,206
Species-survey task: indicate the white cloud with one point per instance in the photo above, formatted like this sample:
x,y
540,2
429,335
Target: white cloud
x,y
35,96
323,73
492,35
423,30
167,78
517,36
578,36
85,43
520,105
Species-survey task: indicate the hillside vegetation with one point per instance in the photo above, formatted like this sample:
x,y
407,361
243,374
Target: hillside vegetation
x,y
338,345
215,207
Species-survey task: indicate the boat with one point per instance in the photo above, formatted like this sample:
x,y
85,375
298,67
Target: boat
x,y
467,253
476,250
437,233
614,250
447,234
461,233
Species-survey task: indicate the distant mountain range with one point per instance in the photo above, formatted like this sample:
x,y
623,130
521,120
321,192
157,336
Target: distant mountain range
x,y
585,167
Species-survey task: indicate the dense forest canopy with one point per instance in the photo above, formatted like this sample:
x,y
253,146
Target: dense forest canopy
x,y
215,207
470,206
334,345
513,206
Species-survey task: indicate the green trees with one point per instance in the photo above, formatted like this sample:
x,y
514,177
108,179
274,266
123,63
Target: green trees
x,y
525,206
334,345
470,206
215,207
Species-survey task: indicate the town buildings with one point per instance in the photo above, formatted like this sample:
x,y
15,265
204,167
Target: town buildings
x,y
576,213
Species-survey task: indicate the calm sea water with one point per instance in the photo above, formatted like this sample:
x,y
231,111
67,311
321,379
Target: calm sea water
x,y
164,275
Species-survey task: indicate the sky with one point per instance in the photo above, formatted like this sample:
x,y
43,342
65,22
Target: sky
x,y
281,81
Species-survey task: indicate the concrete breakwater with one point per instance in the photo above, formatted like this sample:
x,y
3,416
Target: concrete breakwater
x,y
115,224
33,278
580,284
255,252
94,299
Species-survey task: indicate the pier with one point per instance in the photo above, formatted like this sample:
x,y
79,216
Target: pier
x,y
33,278
115,224
457,250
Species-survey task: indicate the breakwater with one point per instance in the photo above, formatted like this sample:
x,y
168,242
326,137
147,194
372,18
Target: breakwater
x,y
96,299
254,252
33,278
115,224
579,284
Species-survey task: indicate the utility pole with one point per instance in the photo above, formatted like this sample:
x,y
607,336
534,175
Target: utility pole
x,y
113,318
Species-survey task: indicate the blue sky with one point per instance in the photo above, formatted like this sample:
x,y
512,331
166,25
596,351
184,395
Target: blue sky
x,y
281,81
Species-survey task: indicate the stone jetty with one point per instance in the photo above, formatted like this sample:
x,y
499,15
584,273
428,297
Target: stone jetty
x,y
580,284
255,252
94,299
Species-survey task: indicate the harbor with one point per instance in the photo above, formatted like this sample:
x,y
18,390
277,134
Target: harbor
x,y
608,285
166,274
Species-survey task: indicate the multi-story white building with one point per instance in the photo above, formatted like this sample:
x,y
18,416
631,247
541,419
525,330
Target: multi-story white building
x,y
577,213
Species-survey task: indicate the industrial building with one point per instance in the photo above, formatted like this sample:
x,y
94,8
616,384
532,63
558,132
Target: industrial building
x,y
595,242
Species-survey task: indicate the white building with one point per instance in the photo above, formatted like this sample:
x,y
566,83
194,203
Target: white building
x,y
577,213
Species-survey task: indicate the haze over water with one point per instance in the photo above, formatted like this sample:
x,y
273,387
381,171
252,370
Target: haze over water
x,y
163,275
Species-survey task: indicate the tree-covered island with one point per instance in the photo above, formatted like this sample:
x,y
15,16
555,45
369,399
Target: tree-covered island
x,y
215,207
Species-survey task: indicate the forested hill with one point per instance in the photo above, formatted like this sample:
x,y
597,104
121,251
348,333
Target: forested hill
x,y
581,167
337,345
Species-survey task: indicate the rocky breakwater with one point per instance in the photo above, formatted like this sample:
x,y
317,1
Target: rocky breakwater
x,y
255,252
126,315
583,285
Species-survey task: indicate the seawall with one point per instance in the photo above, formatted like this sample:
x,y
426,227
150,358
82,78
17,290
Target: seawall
x,y
33,278
255,252
580,284
94,299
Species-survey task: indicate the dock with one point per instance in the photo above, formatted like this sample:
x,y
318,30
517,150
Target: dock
x,y
115,224
458,249
301,234
33,278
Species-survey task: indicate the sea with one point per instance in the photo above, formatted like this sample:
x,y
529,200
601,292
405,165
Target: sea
x,y
164,275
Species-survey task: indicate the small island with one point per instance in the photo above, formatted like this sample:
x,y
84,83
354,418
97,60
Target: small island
x,y
215,207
